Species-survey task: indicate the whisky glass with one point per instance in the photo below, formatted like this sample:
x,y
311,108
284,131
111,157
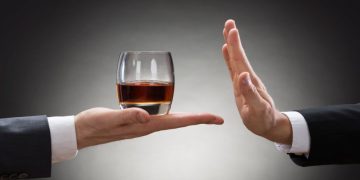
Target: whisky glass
x,y
145,79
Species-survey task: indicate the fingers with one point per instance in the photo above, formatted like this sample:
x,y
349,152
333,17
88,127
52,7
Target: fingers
x,y
237,54
233,51
225,53
101,125
227,59
245,88
179,120
132,115
229,24
237,62
239,98
165,122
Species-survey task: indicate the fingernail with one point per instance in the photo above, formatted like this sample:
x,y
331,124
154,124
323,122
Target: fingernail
x,y
142,117
219,121
216,120
247,80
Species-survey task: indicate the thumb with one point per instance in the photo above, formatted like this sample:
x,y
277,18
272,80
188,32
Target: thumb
x,y
249,91
133,115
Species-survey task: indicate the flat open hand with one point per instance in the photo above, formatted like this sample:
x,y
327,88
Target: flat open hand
x,y
102,125
254,103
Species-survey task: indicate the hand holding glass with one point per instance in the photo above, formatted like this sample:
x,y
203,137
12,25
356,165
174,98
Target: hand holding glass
x,y
144,80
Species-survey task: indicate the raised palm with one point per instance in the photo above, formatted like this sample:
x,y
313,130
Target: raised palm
x,y
255,105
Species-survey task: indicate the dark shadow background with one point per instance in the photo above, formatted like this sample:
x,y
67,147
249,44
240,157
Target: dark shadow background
x,y
59,58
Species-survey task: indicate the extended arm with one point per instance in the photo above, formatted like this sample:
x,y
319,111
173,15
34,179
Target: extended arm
x,y
328,135
29,144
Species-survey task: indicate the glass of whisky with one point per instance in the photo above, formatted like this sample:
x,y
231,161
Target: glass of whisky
x,y
145,79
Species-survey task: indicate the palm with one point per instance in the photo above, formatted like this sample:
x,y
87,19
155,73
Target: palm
x,y
254,103
102,125
258,124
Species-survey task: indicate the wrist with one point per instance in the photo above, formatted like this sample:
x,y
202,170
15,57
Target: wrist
x,y
79,135
281,132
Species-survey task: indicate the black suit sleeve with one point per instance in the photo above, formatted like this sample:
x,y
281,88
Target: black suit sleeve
x,y
334,135
25,147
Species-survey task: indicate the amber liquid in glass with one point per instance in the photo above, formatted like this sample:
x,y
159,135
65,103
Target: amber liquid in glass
x,y
153,96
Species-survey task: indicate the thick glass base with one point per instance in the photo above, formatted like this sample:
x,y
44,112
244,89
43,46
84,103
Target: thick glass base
x,y
151,108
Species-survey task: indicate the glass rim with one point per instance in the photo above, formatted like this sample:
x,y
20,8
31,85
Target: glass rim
x,y
146,52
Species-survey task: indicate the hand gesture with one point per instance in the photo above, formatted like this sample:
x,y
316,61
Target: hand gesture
x,y
102,125
255,105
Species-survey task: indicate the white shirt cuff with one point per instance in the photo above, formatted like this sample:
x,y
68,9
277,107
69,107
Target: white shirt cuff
x,y
63,138
300,137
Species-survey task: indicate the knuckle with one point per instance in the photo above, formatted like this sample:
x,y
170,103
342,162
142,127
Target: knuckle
x,y
247,90
136,114
132,111
265,109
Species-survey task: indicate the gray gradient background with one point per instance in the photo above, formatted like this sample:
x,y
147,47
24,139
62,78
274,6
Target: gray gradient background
x,y
59,58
